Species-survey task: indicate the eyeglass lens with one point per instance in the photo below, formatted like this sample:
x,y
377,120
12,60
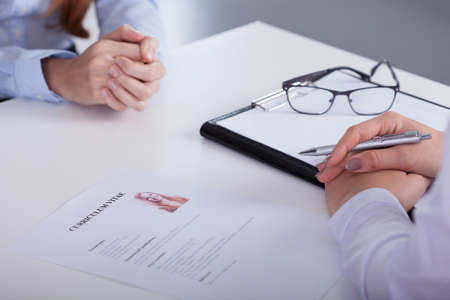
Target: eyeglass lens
x,y
371,101
309,100
368,101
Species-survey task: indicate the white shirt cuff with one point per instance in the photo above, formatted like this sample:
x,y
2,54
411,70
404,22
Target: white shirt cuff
x,y
373,199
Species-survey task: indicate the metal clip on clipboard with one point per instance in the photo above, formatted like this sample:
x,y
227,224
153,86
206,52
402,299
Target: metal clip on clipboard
x,y
275,100
271,101
216,130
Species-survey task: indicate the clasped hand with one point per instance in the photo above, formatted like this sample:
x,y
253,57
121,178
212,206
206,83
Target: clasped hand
x,y
120,70
406,170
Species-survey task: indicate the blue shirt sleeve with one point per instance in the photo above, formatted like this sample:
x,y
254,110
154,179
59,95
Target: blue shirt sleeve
x,y
21,73
142,15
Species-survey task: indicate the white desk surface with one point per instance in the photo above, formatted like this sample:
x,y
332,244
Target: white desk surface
x,y
49,153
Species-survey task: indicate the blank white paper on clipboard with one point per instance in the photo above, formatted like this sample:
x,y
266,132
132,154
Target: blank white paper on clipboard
x,y
290,132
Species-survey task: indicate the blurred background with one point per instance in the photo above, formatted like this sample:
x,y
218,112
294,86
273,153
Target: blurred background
x,y
413,34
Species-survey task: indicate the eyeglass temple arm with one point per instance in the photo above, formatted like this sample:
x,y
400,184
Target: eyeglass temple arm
x,y
363,76
313,77
387,63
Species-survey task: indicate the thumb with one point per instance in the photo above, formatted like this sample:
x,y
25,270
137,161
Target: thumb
x,y
380,159
131,51
149,46
124,33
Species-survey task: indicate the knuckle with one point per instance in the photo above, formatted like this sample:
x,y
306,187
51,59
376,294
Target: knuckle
x,y
351,134
93,65
98,47
121,108
351,130
120,91
107,44
126,66
118,107
145,94
162,70
95,49
390,115
372,160
114,107
149,75
406,158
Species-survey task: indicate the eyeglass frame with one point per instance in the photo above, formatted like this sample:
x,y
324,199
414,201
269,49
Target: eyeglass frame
x,y
309,79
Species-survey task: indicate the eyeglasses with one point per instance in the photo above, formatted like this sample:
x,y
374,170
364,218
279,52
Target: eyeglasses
x,y
306,98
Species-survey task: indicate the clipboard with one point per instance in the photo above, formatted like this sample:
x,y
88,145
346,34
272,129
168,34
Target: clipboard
x,y
231,132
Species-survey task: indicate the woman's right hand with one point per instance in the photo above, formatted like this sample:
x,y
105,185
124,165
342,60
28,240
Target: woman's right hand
x,y
423,158
84,79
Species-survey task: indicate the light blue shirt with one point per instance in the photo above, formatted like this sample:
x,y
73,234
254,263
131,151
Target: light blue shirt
x,y
26,37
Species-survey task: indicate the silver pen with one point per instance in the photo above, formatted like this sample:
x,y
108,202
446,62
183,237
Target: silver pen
x,y
408,137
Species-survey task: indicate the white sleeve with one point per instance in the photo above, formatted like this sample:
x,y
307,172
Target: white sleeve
x,y
386,255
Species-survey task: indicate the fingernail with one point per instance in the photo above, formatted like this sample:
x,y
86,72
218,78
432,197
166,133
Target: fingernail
x,y
318,176
138,35
112,85
135,30
353,164
326,161
113,71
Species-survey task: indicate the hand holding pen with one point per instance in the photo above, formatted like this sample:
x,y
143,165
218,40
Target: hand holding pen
x,y
384,141
422,158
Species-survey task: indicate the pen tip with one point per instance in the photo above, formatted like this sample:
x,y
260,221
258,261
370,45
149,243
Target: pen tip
x,y
426,136
306,152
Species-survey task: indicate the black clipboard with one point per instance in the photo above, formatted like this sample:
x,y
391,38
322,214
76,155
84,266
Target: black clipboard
x,y
213,131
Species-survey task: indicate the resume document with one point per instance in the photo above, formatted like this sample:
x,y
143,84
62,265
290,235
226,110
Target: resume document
x,y
188,243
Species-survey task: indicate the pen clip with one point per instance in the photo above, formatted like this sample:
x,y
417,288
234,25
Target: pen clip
x,y
388,137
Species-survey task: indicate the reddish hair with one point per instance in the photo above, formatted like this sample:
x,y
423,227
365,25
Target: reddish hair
x,y
72,15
